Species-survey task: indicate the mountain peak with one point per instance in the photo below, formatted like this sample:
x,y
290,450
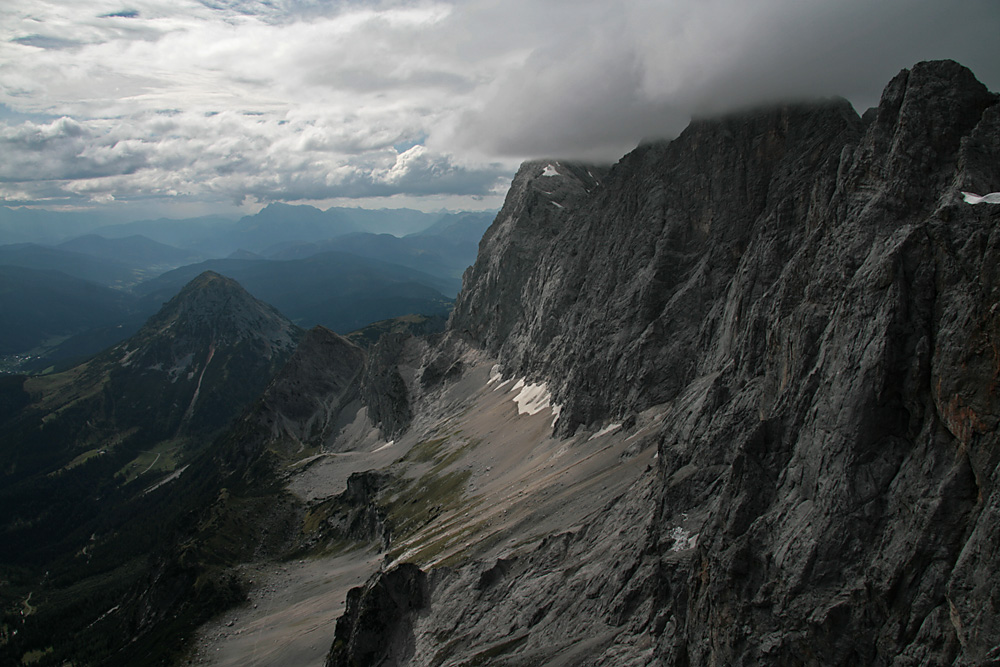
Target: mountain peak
x,y
543,196
215,305
213,344
211,280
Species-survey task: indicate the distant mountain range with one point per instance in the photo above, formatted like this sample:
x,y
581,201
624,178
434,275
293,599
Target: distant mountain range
x,y
104,271
42,306
215,236
140,253
314,266
340,291
25,225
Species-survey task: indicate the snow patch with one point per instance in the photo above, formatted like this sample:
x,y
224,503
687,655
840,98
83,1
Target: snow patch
x,y
385,446
683,540
991,198
127,359
610,428
550,170
496,376
532,398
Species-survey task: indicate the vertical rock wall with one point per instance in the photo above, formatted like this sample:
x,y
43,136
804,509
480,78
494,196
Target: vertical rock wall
x,y
811,295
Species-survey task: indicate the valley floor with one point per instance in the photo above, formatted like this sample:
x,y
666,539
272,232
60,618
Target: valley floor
x,y
290,615
477,478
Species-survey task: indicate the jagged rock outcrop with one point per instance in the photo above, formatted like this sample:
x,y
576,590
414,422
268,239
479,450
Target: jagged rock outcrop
x,y
853,476
815,308
383,389
375,628
306,403
353,516
613,309
305,400
541,199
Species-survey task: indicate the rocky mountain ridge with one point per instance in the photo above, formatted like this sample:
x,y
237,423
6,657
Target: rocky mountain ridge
x,y
104,468
798,308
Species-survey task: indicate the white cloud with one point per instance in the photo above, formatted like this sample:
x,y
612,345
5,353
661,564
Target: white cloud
x,y
308,100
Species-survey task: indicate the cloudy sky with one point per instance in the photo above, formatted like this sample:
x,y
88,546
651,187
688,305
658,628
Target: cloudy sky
x,y
185,107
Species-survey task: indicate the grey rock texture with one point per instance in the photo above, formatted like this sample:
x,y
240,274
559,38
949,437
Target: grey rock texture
x,y
817,310
375,628
383,389
612,307
309,400
495,291
585,595
353,516
845,416
304,402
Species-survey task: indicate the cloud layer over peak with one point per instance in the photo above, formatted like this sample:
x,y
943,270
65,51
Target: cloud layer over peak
x,y
224,101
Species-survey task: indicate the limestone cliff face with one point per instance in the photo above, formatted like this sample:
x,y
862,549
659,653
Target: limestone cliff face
x,y
840,440
615,307
542,199
808,295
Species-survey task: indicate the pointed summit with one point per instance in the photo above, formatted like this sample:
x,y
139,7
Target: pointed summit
x,y
217,306
190,371
139,413
213,348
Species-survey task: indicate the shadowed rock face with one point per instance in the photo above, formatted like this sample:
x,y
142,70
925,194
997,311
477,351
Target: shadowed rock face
x,y
194,365
614,307
383,390
317,383
303,405
375,627
816,307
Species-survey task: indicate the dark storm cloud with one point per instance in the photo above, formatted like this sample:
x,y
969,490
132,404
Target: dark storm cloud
x,y
642,69
852,49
